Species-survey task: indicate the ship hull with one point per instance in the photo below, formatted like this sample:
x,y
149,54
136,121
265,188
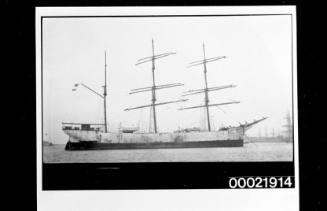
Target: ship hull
x,y
93,145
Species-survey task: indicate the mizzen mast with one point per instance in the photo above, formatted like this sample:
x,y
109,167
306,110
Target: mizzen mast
x,y
154,87
105,92
206,90
103,96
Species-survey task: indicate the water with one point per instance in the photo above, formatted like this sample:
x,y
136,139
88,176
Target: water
x,y
255,151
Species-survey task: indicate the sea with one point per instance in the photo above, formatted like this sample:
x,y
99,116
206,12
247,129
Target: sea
x,y
250,152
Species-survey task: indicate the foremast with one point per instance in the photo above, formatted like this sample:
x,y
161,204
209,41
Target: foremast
x,y
206,90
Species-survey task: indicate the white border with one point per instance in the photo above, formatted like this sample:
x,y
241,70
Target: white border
x,y
246,199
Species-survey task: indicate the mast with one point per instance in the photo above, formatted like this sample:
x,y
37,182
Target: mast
x,y
103,96
206,89
154,87
154,92
105,92
206,97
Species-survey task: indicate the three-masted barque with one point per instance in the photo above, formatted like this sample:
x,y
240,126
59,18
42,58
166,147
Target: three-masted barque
x,y
92,137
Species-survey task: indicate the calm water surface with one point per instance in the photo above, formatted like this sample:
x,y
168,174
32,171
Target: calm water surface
x,y
256,151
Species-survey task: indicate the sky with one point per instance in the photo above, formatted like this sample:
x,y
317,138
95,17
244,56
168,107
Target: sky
x,y
259,63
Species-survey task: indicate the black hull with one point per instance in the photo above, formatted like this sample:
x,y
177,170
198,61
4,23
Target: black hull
x,y
91,145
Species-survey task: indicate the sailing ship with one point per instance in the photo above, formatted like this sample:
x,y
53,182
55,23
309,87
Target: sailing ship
x,y
91,137
288,132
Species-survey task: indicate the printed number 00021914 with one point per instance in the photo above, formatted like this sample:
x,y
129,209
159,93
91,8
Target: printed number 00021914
x,y
260,182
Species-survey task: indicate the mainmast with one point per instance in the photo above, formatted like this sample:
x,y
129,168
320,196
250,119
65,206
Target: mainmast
x,y
206,90
154,87
154,92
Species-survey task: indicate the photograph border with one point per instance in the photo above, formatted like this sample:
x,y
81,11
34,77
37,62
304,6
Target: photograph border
x,y
132,164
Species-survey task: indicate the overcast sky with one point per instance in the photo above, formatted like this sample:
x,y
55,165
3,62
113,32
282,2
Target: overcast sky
x,y
258,50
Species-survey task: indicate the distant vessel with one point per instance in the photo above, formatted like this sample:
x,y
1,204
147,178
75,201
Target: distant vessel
x,y
91,137
47,142
288,133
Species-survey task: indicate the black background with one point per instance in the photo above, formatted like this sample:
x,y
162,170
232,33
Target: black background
x,y
19,99
97,176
